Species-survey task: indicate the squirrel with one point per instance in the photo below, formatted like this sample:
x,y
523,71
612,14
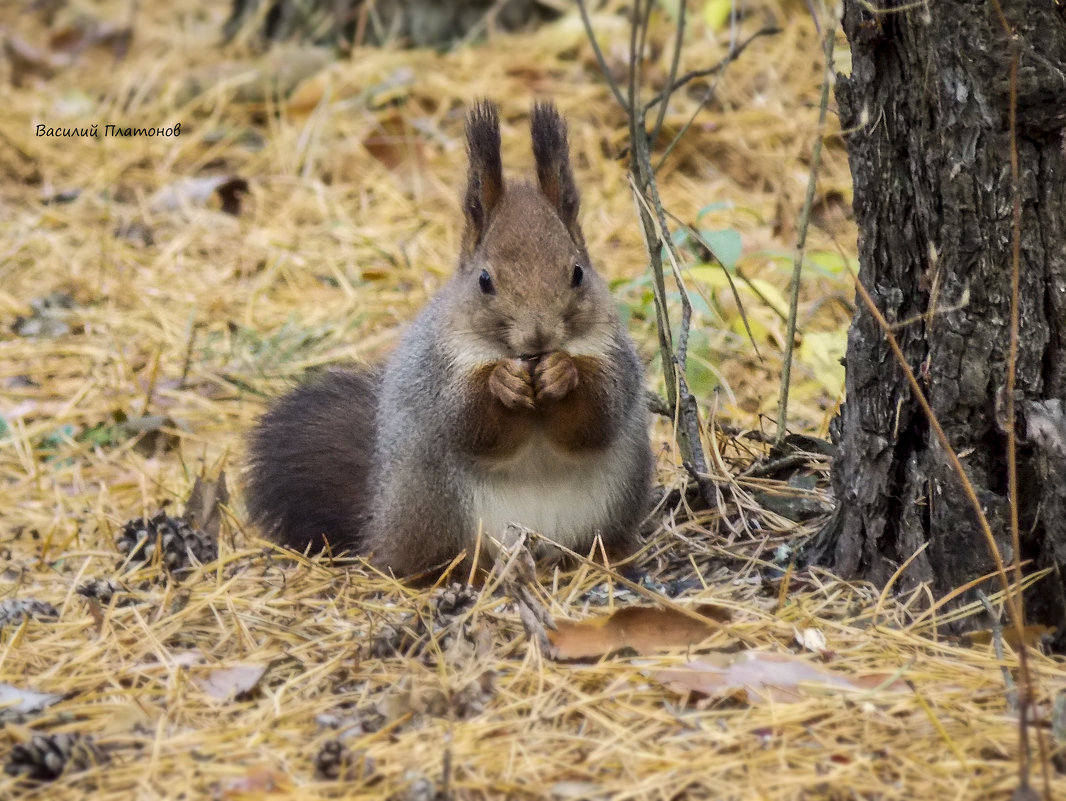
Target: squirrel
x,y
516,396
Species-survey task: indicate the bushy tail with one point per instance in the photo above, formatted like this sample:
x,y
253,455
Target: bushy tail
x,y
309,462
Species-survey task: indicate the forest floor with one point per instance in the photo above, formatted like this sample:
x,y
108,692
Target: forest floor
x,y
156,292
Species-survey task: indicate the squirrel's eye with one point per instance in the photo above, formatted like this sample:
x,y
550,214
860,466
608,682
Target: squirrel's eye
x,y
485,282
575,279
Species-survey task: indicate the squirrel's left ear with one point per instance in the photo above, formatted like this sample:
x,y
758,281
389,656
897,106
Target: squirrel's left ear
x,y
552,155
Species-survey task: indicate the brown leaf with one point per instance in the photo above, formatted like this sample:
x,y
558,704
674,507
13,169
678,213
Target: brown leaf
x,y
77,38
308,94
1032,635
29,61
259,780
762,676
644,629
394,143
202,508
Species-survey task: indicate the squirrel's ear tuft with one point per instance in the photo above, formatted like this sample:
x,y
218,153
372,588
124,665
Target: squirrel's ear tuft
x,y
484,186
552,155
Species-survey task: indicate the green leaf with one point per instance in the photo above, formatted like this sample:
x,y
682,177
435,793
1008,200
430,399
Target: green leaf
x,y
101,434
701,379
54,439
722,205
830,262
726,245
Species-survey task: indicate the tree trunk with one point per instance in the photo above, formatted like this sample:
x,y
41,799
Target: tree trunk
x,y
927,111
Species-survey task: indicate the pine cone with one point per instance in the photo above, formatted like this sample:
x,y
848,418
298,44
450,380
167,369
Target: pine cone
x,y
453,600
391,641
178,542
46,756
335,761
103,590
15,610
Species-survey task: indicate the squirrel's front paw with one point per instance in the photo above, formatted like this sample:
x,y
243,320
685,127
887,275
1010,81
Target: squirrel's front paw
x,y
555,376
512,384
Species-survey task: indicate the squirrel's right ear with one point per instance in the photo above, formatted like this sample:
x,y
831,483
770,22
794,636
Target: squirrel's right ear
x,y
484,186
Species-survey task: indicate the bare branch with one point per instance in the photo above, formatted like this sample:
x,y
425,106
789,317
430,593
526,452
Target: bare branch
x,y
801,238
611,83
673,86
675,61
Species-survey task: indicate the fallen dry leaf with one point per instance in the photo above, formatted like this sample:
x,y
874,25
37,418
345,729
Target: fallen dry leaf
x,y
257,83
644,629
257,781
131,716
202,509
76,38
1032,635
393,142
29,61
309,93
762,676
224,683
811,640
19,700
189,192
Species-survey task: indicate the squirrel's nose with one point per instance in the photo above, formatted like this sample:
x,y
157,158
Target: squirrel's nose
x,y
535,342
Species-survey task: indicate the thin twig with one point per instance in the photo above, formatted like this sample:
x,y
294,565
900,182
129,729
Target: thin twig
x,y
707,95
653,217
691,76
1025,685
612,84
662,317
675,61
674,359
634,58
997,646
801,241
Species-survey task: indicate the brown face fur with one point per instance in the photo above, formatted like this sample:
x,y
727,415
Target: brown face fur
x,y
530,259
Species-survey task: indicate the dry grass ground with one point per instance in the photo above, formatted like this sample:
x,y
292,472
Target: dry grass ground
x,y
172,322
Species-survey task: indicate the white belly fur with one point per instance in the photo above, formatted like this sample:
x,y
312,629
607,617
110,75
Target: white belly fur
x,y
559,495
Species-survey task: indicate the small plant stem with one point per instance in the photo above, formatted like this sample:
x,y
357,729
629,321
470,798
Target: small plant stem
x,y
801,237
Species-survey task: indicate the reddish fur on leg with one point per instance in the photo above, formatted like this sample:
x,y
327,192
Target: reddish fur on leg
x,y
582,419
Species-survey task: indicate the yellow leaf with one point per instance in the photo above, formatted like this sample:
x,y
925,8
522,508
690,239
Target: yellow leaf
x,y
713,276
821,351
755,294
710,275
759,331
770,294
716,13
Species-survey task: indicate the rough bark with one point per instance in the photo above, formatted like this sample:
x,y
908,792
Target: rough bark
x,y
927,108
